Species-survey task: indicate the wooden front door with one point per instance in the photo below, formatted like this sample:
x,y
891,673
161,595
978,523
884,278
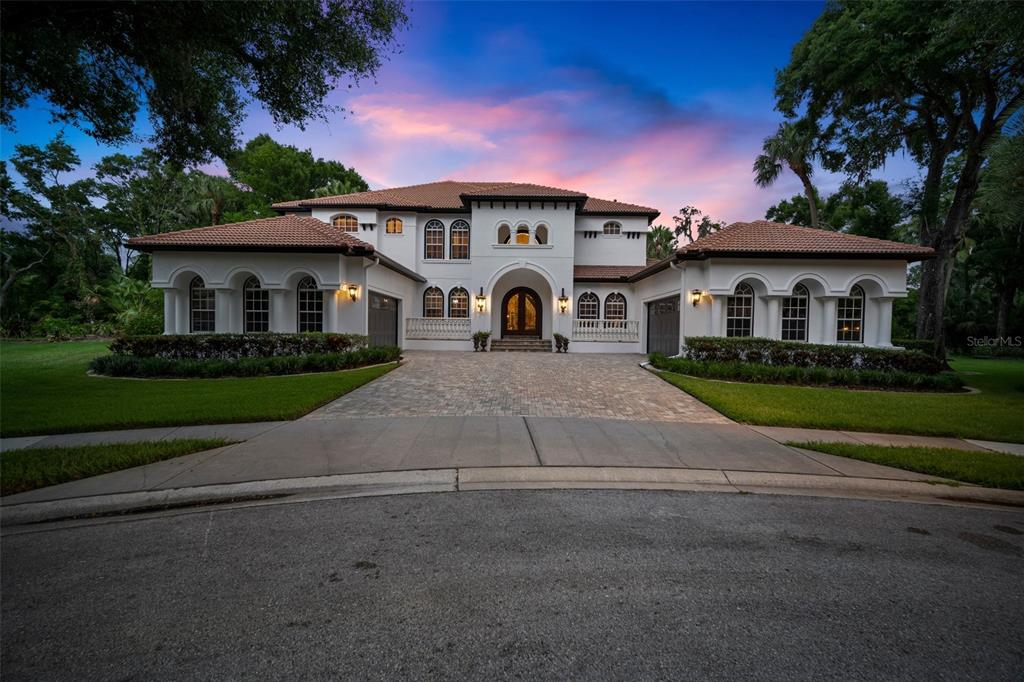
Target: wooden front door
x,y
521,313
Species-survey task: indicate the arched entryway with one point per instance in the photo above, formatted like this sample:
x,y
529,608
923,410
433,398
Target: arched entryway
x,y
521,313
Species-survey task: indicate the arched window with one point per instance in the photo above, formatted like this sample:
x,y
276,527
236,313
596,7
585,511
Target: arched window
x,y
588,306
615,307
202,310
433,303
257,306
504,233
794,315
346,223
393,226
523,234
460,240
433,240
612,228
540,235
458,302
310,306
739,312
850,317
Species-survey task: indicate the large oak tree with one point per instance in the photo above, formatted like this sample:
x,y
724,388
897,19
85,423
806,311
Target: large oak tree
x,y
934,79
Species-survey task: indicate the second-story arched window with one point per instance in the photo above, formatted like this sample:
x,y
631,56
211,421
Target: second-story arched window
x,y
612,227
393,226
540,235
460,240
504,233
433,240
346,223
523,234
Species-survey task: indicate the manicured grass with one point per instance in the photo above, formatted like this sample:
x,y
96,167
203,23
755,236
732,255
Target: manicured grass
x,y
996,413
22,470
992,469
44,389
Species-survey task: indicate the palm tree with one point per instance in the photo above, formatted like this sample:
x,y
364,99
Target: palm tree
x,y
336,187
660,242
210,195
794,146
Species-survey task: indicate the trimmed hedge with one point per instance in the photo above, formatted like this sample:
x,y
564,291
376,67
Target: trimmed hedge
x,y
926,346
121,365
770,352
808,376
235,346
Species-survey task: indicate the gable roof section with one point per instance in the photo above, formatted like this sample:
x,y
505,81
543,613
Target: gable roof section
x,y
289,233
454,196
765,239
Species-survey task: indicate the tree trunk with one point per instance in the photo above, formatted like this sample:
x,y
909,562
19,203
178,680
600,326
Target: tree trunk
x,y
811,205
1006,295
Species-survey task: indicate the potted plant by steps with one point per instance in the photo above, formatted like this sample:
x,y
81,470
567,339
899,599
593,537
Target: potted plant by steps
x,y
561,343
480,340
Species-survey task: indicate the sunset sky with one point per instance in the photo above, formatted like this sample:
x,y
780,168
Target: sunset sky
x,y
658,104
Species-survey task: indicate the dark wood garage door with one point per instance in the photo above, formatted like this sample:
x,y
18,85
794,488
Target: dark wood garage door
x,y
663,326
383,320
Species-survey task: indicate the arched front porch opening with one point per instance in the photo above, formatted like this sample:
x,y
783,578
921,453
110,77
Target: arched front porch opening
x,y
523,305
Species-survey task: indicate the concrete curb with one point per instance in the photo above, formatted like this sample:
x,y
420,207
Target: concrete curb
x,y
510,478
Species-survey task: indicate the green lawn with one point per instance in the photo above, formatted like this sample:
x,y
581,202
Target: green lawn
x,y
22,470
996,413
44,389
992,469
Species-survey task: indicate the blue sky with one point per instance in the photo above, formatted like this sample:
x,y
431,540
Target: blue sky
x,y
663,104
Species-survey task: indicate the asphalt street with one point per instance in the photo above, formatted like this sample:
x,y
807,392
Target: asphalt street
x,y
529,584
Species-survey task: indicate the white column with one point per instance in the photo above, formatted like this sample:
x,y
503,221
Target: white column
x,y
884,334
223,313
716,327
170,311
828,319
773,328
182,324
279,319
331,302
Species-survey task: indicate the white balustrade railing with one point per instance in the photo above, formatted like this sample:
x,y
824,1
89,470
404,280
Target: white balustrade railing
x,y
606,330
437,328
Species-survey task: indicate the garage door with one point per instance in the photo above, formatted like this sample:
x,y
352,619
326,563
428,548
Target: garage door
x,y
383,320
663,326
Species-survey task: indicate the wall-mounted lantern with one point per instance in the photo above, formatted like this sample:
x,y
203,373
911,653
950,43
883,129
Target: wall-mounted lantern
x,y
695,297
353,291
481,301
563,302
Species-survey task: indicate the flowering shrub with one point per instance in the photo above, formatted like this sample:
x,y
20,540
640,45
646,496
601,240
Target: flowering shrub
x,y
758,351
235,346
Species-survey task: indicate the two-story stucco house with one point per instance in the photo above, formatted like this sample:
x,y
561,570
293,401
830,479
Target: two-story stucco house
x,y
425,266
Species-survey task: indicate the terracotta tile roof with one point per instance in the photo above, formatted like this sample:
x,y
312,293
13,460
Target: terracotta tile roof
x,y
287,232
762,237
453,195
605,273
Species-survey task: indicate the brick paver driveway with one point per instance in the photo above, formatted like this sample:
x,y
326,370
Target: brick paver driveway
x,y
522,384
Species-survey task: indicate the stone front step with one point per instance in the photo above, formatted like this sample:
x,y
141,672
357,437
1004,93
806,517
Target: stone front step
x,y
522,345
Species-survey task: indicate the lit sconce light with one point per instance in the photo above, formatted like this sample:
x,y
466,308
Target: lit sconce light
x,y
481,301
353,291
695,297
563,302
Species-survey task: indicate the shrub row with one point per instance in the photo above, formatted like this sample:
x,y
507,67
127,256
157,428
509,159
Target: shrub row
x,y
809,376
926,346
121,365
790,353
235,346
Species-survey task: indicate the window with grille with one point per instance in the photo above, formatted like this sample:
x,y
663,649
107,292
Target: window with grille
x,y
310,306
850,317
393,226
257,306
433,240
794,315
588,306
615,307
346,223
433,303
612,228
202,310
460,240
458,302
739,312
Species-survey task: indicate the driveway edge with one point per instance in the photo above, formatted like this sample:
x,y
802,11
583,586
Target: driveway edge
x,y
509,478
